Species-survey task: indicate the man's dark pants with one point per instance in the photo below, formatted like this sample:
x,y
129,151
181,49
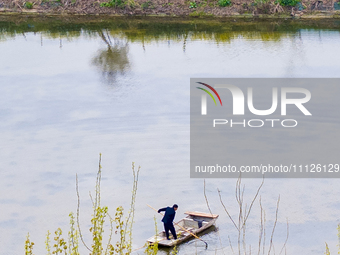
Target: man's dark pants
x,y
167,227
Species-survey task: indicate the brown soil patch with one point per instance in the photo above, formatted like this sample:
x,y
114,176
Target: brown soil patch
x,y
168,8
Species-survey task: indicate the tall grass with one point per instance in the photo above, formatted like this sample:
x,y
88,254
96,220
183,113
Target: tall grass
x,y
327,251
120,225
153,249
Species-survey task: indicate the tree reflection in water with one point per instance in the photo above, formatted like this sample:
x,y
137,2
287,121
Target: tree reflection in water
x,y
112,61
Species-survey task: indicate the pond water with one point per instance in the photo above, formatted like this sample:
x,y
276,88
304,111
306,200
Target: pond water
x,y
73,88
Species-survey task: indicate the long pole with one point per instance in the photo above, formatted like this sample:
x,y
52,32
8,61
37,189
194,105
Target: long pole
x,y
206,244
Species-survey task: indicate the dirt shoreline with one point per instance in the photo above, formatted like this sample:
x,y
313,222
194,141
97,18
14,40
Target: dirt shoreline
x,y
268,9
308,16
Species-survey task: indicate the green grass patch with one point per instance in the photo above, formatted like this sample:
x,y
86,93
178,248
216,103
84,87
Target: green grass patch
x,y
224,3
260,2
288,2
28,5
192,5
113,4
147,5
200,14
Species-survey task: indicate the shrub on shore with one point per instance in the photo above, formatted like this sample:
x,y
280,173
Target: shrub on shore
x,y
119,225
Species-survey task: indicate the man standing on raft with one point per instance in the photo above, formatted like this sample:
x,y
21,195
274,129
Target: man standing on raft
x,y
168,219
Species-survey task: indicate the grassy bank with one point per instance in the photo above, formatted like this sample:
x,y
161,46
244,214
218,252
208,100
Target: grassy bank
x,y
195,8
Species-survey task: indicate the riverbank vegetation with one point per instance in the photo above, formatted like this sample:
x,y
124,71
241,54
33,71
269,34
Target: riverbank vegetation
x,y
327,251
221,8
119,238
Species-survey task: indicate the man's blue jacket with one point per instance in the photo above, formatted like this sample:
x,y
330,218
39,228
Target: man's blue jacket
x,y
169,214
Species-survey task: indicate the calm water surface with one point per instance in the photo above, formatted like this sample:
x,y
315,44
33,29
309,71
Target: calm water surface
x,y
72,89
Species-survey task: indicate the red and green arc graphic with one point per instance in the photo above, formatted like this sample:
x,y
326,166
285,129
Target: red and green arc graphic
x,y
213,90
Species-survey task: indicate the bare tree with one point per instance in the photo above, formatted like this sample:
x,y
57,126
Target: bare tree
x,y
240,221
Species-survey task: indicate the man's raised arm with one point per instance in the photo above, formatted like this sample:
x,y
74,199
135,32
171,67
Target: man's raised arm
x,y
162,209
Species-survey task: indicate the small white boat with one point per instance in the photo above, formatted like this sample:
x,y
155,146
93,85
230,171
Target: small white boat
x,y
195,223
